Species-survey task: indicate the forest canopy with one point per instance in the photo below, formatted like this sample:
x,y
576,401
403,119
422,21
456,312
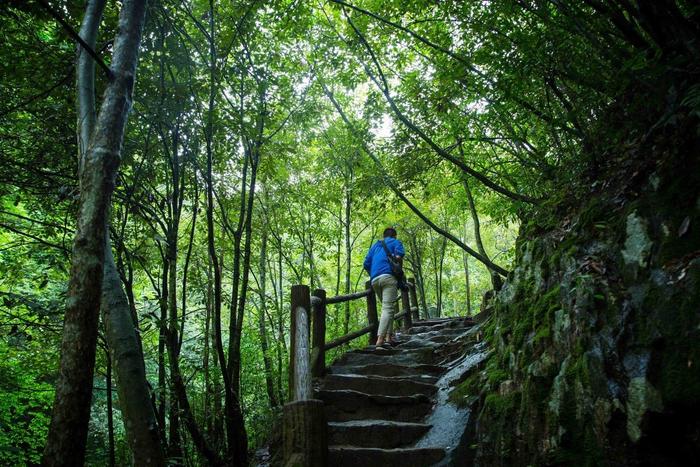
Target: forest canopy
x,y
269,144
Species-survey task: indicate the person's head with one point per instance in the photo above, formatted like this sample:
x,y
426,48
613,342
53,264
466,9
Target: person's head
x,y
390,232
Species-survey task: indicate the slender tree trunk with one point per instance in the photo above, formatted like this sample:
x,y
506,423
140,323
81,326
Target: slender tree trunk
x,y
174,446
467,285
416,260
240,453
348,248
110,415
276,279
230,415
205,360
67,435
496,280
338,246
200,442
188,258
281,344
162,338
443,247
269,376
217,408
85,79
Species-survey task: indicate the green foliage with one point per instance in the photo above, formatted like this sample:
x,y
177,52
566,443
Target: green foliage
x,y
513,90
26,398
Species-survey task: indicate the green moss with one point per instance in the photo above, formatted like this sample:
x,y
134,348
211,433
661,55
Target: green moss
x,y
543,333
496,376
578,369
471,387
501,405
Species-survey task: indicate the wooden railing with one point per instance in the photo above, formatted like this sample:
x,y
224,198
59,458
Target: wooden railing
x,y
303,417
318,305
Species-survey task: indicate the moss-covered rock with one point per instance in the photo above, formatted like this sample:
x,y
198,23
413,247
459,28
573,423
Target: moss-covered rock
x,y
596,333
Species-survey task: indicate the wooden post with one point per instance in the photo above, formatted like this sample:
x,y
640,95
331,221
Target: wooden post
x,y
304,437
414,297
318,346
372,313
406,308
299,298
302,369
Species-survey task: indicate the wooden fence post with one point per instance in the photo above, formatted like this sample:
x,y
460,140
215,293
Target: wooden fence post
x,y
372,313
406,309
299,298
304,437
414,298
318,346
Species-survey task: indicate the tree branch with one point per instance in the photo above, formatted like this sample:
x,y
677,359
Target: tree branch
x,y
71,32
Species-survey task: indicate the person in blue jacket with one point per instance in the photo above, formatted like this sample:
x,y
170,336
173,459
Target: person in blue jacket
x,y
385,285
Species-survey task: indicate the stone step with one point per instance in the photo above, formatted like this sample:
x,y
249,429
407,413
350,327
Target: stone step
x,y
375,433
346,405
370,384
370,355
447,326
352,371
342,456
433,321
428,340
388,369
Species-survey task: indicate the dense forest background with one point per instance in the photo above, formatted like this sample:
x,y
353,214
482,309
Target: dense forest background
x,y
269,144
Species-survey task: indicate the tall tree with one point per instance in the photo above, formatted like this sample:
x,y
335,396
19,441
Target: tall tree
x,y
69,422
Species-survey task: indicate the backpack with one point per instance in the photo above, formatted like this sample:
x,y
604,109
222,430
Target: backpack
x,y
396,268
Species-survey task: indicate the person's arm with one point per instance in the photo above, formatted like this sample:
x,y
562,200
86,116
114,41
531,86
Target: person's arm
x,y
367,264
399,251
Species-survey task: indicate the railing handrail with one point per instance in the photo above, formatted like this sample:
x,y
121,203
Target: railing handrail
x,y
347,297
348,337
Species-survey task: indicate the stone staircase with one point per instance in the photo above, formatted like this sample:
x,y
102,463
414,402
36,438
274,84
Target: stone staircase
x,y
379,403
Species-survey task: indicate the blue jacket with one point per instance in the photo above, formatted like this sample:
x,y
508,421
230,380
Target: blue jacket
x,y
376,262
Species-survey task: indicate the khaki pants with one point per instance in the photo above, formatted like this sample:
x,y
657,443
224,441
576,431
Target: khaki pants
x,y
386,288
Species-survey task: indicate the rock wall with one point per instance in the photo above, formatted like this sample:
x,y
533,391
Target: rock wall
x,y
596,334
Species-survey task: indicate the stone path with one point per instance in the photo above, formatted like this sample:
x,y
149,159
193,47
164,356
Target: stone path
x,y
379,403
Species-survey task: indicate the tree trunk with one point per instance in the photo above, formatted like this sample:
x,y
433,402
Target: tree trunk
x,y
67,434
467,285
205,361
269,377
281,345
348,249
496,280
85,79
178,386
441,266
139,418
416,260
239,453
174,447
338,245
110,415
162,337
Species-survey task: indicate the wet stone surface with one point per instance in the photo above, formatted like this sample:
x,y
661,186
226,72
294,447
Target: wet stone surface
x,y
391,407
